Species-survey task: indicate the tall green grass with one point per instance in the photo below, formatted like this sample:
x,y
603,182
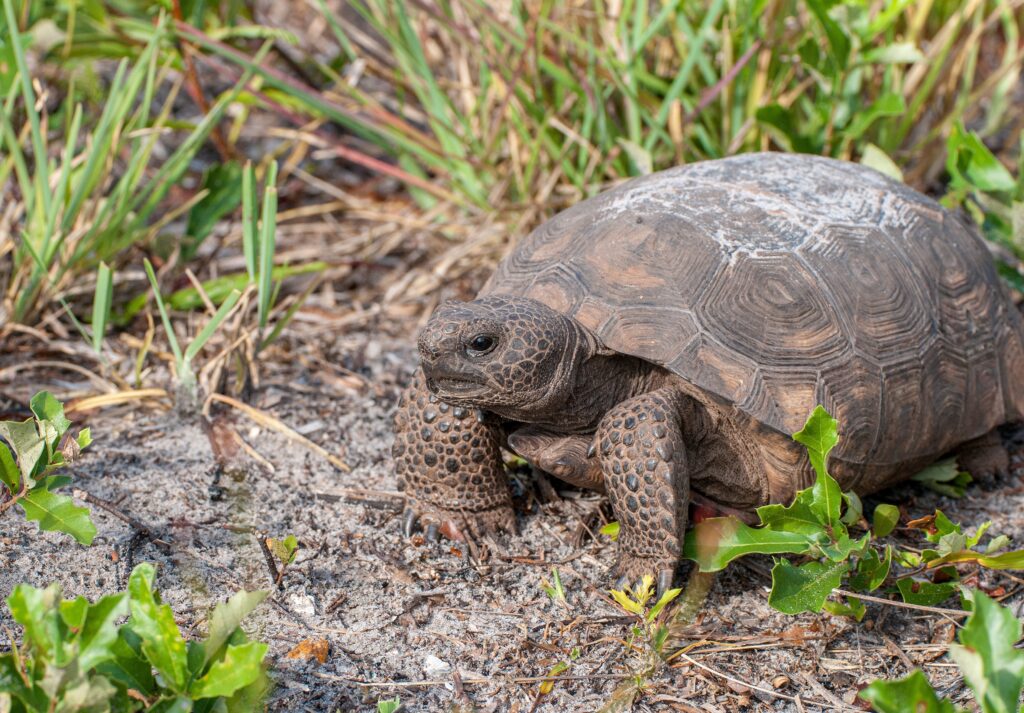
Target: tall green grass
x,y
487,106
509,106
84,196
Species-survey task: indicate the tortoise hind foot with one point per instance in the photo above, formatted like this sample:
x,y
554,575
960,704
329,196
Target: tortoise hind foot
x,y
640,446
985,458
565,457
449,465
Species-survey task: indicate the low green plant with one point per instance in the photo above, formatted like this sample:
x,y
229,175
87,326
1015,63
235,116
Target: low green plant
x,y
554,588
649,638
391,705
76,656
183,359
988,659
35,449
988,191
820,525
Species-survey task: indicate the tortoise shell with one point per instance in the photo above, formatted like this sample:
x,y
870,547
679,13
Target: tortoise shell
x,y
774,282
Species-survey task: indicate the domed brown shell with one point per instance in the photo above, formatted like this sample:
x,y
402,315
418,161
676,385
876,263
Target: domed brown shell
x,y
776,282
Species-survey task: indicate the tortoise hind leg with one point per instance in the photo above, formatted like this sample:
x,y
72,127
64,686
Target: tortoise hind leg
x,y
985,458
645,472
565,457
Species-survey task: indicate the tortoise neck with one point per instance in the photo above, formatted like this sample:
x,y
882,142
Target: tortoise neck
x,y
604,380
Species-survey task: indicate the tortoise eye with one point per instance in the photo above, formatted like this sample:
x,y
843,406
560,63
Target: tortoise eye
x,y
481,344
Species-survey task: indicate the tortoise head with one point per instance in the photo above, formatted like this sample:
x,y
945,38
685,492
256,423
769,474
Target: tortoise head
x,y
510,355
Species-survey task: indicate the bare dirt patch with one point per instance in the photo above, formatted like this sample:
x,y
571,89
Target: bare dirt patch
x,y
409,618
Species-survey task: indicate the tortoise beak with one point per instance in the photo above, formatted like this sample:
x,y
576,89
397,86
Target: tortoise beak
x,y
449,379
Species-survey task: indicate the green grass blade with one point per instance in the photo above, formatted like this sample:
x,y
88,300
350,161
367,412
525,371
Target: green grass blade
x,y
101,301
171,338
215,321
42,175
268,236
249,220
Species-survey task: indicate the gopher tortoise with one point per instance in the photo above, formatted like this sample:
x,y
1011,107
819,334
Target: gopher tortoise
x,y
662,340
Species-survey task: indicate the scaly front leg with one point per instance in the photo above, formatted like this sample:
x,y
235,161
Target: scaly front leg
x,y
449,464
641,449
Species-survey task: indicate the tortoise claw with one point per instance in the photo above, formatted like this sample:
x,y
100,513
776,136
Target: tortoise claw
x,y
409,521
433,532
665,578
621,583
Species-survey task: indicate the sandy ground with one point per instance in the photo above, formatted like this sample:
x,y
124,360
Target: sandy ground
x,y
412,619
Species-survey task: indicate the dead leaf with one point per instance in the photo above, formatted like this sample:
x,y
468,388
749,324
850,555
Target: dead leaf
x,y
310,649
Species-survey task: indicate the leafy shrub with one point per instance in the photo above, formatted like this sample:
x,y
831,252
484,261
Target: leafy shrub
x,y
817,525
76,657
27,466
990,664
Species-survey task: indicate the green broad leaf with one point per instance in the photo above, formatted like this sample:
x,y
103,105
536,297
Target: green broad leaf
x,y
872,569
974,539
804,588
153,622
945,478
667,598
251,697
127,667
9,474
990,664
611,529
972,165
996,544
779,122
935,527
918,591
389,706
1007,560
181,704
797,517
885,519
58,513
854,508
50,411
843,547
84,439
896,53
911,693
223,183
640,157
227,617
820,435
87,694
851,607
98,633
12,685
890,104
717,541
29,447
73,612
284,550
874,157
239,667
36,611
953,542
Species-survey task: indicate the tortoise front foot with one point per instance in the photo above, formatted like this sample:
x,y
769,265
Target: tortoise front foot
x,y
640,447
449,465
